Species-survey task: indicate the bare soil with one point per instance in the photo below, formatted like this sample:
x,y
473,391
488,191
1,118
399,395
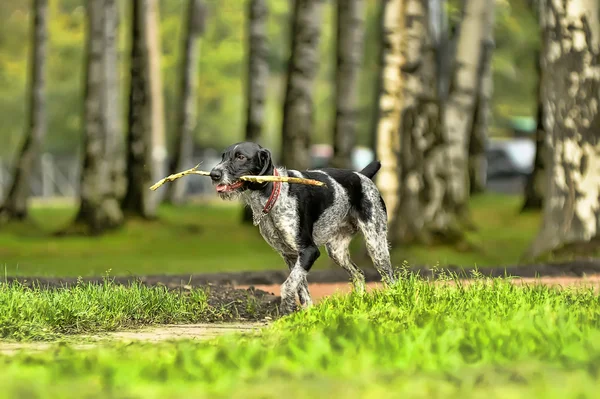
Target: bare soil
x,y
575,268
319,291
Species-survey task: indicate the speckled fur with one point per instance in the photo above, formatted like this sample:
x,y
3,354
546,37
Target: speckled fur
x,y
286,227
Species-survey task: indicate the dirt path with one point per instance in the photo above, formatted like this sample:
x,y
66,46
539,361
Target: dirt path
x,y
150,334
320,290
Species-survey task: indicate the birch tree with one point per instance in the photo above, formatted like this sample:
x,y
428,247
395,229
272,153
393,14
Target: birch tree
x,y
388,137
459,109
15,204
145,129
350,21
102,175
257,75
298,107
188,97
425,212
421,185
570,87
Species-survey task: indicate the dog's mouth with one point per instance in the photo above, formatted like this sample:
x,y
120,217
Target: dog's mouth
x,y
227,188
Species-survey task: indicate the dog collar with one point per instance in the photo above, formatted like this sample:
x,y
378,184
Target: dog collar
x,y
274,194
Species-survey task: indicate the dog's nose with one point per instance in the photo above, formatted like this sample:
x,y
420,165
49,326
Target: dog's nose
x,y
216,174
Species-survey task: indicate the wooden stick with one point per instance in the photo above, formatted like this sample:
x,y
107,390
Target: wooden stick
x,y
254,179
175,176
283,179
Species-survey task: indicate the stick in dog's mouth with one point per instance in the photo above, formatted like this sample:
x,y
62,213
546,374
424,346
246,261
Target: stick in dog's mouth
x,y
229,187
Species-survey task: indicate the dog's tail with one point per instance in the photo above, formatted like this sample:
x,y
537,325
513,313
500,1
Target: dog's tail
x,y
371,169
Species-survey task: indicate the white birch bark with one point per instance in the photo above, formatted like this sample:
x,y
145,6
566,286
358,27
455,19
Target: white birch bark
x,y
458,111
570,86
388,134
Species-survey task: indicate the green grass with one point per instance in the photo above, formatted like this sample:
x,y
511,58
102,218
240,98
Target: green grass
x,y
210,238
490,339
41,314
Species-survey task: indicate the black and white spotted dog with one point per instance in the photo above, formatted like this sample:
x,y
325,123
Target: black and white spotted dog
x,y
296,219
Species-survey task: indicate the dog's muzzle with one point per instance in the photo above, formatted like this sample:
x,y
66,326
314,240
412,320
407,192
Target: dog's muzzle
x,y
226,188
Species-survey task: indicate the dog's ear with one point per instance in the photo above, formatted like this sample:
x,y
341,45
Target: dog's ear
x,y
264,157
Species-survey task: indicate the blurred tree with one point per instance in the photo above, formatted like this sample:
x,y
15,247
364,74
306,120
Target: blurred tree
x,y
381,51
458,111
15,204
350,21
570,96
102,176
535,184
422,181
389,113
481,116
536,181
145,148
298,107
257,75
188,89
426,210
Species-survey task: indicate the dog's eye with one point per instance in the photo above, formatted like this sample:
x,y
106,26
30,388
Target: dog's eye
x,y
240,157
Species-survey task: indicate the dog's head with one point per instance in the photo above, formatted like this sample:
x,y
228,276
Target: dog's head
x,y
239,160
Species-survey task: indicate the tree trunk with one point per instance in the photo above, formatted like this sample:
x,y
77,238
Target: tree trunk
x,y
421,212
159,142
373,129
298,108
102,179
425,211
15,204
388,137
144,125
570,93
534,186
349,47
459,109
257,76
481,118
186,111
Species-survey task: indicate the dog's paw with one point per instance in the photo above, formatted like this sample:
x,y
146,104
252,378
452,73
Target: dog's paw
x,y
288,307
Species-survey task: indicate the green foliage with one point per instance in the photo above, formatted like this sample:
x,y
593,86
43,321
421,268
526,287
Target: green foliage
x,y
190,239
418,339
222,69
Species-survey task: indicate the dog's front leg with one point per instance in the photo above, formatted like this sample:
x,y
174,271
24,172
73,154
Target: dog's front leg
x,y
303,293
297,282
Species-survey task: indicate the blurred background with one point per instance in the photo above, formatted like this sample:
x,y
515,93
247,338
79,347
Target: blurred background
x,y
100,99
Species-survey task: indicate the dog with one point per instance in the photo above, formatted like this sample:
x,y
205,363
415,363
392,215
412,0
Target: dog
x,y
296,219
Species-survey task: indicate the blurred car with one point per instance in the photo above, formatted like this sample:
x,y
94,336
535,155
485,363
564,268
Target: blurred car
x,y
509,163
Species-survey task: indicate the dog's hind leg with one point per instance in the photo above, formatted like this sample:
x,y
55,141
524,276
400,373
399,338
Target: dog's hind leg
x,y
303,293
338,251
375,235
306,258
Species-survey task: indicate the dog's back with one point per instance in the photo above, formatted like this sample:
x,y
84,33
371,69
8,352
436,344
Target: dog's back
x,y
350,198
